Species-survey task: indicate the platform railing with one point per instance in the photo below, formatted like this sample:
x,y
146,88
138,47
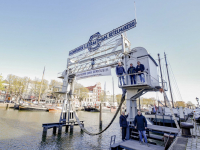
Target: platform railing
x,y
142,78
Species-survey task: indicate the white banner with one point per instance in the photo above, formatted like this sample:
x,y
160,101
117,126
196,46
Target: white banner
x,y
93,73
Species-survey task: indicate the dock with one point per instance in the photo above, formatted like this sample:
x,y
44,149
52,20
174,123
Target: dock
x,y
160,129
133,144
59,126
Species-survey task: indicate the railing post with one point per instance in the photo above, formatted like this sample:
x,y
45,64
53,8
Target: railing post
x,y
156,119
171,120
163,121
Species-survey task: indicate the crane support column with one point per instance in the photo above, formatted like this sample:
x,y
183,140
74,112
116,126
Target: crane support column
x,y
131,109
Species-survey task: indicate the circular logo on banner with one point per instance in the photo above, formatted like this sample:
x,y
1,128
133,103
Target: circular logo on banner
x,y
94,42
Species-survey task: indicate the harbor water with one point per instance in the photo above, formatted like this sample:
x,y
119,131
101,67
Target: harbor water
x,y
23,130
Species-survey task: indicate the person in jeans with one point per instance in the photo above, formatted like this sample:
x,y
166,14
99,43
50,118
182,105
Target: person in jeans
x,y
119,71
123,124
139,69
140,123
132,70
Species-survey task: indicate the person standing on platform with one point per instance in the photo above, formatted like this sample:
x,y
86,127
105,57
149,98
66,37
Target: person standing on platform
x,y
139,69
119,71
132,70
140,123
123,124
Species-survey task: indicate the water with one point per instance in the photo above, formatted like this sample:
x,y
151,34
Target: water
x,y
23,130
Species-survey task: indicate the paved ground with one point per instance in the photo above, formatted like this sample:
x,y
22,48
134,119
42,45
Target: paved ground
x,y
194,142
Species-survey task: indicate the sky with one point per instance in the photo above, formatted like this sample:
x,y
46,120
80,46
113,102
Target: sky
x,y
34,34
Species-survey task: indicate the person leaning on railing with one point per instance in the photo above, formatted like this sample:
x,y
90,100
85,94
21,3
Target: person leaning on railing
x,y
139,69
119,71
132,70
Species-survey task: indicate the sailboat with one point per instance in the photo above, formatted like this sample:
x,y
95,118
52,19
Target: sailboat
x,y
162,116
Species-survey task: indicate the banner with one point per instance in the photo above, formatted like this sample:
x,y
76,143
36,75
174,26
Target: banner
x,y
94,73
95,40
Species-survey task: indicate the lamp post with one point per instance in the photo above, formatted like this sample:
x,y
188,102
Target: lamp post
x,y
197,101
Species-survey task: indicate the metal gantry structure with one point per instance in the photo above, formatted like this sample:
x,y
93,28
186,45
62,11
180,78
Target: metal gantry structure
x,y
114,50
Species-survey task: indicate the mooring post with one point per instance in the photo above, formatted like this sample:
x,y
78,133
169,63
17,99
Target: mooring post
x,y
100,117
66,128
54,130
83,126
60,129
71,128
44,131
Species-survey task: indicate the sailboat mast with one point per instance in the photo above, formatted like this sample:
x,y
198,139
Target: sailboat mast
x,y
169,81
41,86
161,77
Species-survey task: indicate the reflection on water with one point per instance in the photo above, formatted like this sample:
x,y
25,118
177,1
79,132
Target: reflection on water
x,y
23,130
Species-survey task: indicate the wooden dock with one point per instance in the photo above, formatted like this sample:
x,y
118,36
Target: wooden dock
x,y
135,145
59,126
162,129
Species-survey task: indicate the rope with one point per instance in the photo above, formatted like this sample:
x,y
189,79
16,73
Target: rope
x,y
122,100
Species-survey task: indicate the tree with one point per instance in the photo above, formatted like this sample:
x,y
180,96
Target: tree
x,y
53,88
118,98
35,87
180,104
189,104
82,93
101,96
1,83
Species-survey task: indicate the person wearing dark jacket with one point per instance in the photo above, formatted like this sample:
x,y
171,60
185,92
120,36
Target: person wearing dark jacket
x,y
132,70
119,71
123,124
140,123
139,69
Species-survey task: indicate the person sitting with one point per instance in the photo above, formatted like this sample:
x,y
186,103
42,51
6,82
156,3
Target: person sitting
x,y
119,71
139,69
132,70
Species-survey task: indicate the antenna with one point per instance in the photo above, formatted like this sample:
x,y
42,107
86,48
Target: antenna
x,y
135,11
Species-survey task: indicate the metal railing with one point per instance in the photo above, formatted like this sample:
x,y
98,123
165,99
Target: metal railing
x,y
142,78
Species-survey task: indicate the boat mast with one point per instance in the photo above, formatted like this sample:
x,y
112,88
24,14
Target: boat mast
x,y
161,77
169,80
41,86
113,91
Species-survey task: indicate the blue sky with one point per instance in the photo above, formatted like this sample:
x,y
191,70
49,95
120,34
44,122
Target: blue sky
x,y
37,33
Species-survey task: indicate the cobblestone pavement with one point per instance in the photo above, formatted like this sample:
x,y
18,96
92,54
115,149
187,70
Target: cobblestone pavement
x,y
194,143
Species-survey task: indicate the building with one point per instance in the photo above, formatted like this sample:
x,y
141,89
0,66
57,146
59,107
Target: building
x,y
93,95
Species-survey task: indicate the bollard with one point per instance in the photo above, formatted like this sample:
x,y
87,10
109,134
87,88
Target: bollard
x,y
71,128
54,130
60,129
186,128
44,131
67,127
